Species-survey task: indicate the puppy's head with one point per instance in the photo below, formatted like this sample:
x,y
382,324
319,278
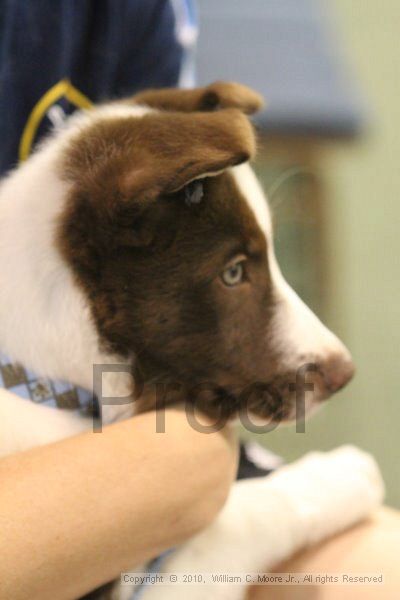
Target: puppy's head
x,y
169,235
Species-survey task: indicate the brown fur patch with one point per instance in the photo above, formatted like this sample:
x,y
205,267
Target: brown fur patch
x,y
165,302
220,94
139,158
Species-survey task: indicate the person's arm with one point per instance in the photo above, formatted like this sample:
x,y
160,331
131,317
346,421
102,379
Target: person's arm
x,y
370,548
75,513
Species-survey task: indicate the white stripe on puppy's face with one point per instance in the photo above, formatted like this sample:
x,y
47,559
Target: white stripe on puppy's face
x,y
251,190
300,337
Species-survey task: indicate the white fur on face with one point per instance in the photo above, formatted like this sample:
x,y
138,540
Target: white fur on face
x,y
299,334
45,320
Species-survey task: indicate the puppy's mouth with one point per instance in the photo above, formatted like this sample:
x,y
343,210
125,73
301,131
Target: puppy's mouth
x,y
282,399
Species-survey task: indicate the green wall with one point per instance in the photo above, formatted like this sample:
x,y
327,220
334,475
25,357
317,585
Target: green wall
x,y
363,227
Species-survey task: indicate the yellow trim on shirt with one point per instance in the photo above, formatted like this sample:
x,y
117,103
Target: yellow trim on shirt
x,y
63,88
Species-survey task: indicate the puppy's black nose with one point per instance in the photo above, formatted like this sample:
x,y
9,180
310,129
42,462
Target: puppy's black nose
x,y
337,370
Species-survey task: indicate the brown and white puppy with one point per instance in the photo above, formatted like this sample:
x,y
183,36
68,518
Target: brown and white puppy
x,y
186,293
139,235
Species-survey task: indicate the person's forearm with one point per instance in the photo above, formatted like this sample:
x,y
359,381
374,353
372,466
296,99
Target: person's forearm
x,y
76,513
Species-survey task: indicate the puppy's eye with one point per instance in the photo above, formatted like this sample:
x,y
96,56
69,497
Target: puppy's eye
x,y
233,275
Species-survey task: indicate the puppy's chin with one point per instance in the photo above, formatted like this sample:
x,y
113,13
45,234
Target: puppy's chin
x,y
310,407
225,405
287,415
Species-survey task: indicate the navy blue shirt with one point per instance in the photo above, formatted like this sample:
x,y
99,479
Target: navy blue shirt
x,y
57,55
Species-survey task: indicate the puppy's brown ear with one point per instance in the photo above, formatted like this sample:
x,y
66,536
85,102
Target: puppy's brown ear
x,y
121,161
173,149
121,170
215,96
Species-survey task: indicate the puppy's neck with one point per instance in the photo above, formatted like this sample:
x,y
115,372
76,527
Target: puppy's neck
x,y
45,321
